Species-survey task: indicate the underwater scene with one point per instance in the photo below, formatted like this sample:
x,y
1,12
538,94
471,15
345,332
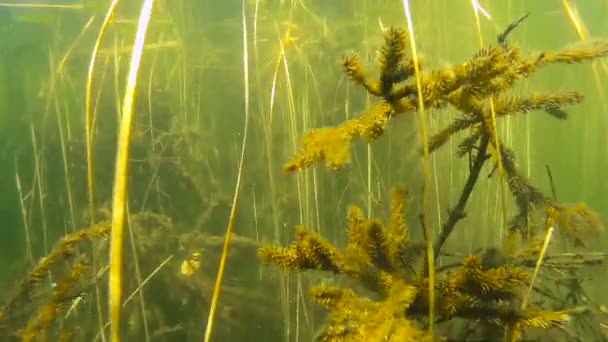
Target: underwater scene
x,y
303,170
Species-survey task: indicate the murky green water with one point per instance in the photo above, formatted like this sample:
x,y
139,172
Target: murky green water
x,y
195,90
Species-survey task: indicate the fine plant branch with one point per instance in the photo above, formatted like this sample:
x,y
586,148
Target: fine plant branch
x,y
502,38
457,213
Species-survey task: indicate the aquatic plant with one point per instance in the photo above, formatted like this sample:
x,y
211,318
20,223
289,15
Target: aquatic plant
x,y
53,300
179,287
383,259
487,291
67,289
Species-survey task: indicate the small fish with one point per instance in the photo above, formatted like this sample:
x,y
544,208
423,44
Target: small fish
x,y
191,265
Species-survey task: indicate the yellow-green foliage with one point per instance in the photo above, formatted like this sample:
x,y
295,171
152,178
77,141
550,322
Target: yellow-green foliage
x,y
353,318
467,87
483,291
477,88
377,256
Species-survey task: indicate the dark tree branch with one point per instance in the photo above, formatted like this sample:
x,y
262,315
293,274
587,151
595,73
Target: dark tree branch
x,y
457,213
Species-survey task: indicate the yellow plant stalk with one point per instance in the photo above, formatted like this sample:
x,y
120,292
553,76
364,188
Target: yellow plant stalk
x,y
89,138
229,228
87,109
430,257
121,174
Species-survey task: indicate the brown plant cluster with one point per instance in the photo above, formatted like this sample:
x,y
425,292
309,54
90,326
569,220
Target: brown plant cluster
x,y
479,90
481,297
468,87
394,302
71,285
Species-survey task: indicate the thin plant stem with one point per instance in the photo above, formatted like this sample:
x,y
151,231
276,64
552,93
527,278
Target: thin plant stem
x,y
28,242
430,258
142,302
137,290
37,168
64,152
230,227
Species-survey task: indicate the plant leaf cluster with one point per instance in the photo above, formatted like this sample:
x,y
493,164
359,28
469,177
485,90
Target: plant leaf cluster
x,y
383,259
487,292
468,87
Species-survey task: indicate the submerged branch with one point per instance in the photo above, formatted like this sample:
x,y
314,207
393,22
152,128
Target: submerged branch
x,y
457,213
